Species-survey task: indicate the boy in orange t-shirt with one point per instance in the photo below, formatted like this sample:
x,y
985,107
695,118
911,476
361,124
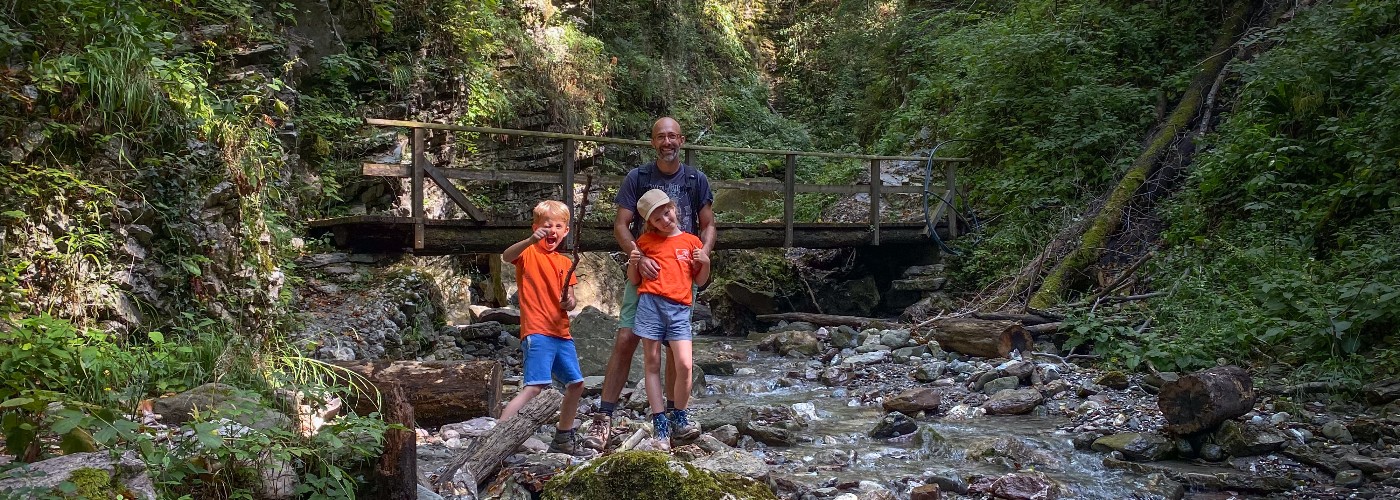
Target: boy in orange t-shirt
x,y
544,319
663,308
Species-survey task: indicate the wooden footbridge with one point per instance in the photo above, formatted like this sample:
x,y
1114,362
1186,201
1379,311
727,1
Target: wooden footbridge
x,y
478,234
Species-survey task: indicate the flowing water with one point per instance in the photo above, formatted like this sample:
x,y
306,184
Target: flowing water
x,y
838,422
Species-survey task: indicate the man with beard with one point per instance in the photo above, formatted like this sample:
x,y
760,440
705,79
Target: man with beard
x,y
693,204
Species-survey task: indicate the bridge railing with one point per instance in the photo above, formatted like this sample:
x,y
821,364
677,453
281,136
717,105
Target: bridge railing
x,y
419,168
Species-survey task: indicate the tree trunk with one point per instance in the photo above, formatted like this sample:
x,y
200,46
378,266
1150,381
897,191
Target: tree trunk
x,y
397,471
823,319
1202,400
486,455
980,337
1178,124
441,392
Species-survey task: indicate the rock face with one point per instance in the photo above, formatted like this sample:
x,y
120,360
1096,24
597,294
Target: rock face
x,y
640,474
893,425
96,474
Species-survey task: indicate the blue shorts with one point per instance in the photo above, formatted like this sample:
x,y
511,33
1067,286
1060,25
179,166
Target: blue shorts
x,y
546,355
660,318
627,318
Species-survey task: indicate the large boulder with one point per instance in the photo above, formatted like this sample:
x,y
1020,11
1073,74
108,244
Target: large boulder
x,y
914,400
857,297
797,343
1137,447
594,332
642,474
1013,402
96,475
219,399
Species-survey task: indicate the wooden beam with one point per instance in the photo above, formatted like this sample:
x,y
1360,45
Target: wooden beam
x,y
789,198
457,197
419,160
875,184
394,170
690,156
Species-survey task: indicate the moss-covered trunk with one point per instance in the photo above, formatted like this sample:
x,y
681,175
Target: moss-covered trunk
x,y
1176,126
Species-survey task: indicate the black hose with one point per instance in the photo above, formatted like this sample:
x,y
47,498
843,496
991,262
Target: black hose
x,y
928,220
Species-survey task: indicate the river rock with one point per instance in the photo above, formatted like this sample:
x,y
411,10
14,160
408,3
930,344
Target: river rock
x,y
1337,431
502,315
857,297
1113,379
868,348
1013,402
836,375
1243,440
1160,486
1026,486
95,470
727,434
639,474
929,372
799,343
1350,478
1212,452
914,400
1135,446
1382,392
755,300
731,461
1000,384
904,355
895,338
771,424
843,336
892,425
594,331
868,358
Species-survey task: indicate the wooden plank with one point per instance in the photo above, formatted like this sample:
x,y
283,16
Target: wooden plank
x,y
570,150
419,160
789,198
950,181
457,197
875,184
690,156
612,140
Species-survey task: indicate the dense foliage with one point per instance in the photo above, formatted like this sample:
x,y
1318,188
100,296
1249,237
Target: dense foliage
x,y
1285,243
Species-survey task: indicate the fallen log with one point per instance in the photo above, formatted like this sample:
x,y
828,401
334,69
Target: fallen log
x,y
473,466
396,474
1025,319
824,319
981,337
1044,328
441,392
1202,400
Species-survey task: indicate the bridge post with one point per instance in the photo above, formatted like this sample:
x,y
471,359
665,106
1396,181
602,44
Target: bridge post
x,y
690,157
789,198
570,151
875,183
419,160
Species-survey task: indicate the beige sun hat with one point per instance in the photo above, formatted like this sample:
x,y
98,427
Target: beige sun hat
x,y
651,201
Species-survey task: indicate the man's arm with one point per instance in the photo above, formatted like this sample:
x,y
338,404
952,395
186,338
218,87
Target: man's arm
x,y
623,232
708,232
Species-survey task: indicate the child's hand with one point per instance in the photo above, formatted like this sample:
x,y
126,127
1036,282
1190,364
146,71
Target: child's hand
x,y
569,303
634,257
700,257
539,234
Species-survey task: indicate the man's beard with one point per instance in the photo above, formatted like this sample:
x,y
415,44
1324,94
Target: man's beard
x,y
670,156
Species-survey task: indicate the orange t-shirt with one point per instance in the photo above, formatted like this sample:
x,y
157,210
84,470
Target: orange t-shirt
x,y
672,253
540,278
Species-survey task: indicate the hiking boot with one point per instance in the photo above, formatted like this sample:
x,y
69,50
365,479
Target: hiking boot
x,y
568,442
599,432
682,429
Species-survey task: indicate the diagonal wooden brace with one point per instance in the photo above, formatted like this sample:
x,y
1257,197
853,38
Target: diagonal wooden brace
x,y
446,185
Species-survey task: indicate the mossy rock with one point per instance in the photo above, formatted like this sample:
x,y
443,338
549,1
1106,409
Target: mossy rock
x,y
646,475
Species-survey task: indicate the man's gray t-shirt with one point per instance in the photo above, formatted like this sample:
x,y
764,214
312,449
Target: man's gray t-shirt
x,y
688,188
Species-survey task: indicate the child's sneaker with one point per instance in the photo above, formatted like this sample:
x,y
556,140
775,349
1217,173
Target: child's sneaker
x,y
682,429
661,428
599,432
